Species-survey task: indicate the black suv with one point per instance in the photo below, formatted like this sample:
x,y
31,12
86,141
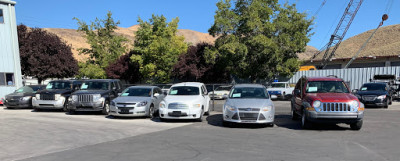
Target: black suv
x,y
95,95
55,95
375,94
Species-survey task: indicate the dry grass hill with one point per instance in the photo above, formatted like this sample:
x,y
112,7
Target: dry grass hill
x,y
76,39
386,42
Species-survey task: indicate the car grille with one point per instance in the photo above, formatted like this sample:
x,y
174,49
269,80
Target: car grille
x,y
47,97
85,98
178,106
126,105
249,109
369,97
336,107
248,116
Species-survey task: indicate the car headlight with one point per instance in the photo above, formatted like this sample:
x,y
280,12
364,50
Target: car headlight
x,y
37,96
353,104
26,98
230,108
96,97
316,104
196,105
57,96
162,105
382,97
74,97
112,103
144,103
267,108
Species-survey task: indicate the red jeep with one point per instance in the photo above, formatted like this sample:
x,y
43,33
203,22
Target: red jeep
x,y
326,100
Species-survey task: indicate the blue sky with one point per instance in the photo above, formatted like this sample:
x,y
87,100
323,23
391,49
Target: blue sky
x,y
195,15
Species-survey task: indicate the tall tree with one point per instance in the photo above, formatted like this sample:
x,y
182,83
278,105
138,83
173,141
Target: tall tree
x,y
159,48
124,69
259,39
44,55
192,66
105,46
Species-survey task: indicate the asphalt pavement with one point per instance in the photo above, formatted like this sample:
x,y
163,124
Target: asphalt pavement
x,y
53,135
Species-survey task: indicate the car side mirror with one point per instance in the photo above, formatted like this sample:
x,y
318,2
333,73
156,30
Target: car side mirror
x,y
296,92
156,94
354,91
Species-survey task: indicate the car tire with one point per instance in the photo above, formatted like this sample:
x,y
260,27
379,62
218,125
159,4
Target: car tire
x,y
106,108
269,125
295,116
71,112
36,109
10,107
391,101
65,108
283,96
357,125
305,124
151,112
200,119
386,104
208,111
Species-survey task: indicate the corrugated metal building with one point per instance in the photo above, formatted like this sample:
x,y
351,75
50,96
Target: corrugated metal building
x,y
10,67
355,76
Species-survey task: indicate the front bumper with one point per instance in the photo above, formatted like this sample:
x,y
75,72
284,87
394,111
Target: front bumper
x,y
129,111
249,117
191,113
334,117
376,102
86,106
18,103
48,104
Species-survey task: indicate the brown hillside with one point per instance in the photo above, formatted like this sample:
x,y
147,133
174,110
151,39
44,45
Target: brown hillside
x,y
76,39
386,42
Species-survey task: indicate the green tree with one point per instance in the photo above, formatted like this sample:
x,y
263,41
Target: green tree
x,y
159,48
259,39
105,46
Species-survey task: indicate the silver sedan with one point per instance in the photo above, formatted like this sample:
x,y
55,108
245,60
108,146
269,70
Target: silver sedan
x,y
248,103
137,101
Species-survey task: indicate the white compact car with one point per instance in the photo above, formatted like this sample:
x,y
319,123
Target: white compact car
x,y
187,100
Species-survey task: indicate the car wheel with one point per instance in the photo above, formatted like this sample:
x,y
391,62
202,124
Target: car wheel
x,y
391,101
71,112
200,119
357,125
386,104
294,115
283,96
106,108
269,125
305,124
36,109
65,108
10,107
151,111
208,111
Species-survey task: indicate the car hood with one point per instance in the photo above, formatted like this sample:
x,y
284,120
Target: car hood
x,y
183,99
331,97
90,92
248,103
54,91
17,95
129,99
372,93
219,92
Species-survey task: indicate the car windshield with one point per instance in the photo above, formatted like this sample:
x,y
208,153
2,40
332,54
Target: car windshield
x,y
223,88
184,90
249,92
373,87
326,87
25,89
278,85
58,85
138,92
36,88
95,85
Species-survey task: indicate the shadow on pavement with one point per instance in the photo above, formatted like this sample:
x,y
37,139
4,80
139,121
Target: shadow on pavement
x,y
285,121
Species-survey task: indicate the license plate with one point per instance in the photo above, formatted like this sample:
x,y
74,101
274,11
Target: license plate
x,y
176,113
124,110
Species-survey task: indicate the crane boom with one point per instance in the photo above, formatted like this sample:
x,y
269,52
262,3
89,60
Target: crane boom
x,y
339,33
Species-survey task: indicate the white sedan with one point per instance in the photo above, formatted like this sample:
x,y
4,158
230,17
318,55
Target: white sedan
x,y
185,101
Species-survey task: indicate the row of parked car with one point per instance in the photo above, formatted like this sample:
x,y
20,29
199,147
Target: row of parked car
x,y
315,100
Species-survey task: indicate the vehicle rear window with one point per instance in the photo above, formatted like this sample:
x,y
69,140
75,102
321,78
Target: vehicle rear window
x,y
326,87
248,92
278,85
139,92
184,90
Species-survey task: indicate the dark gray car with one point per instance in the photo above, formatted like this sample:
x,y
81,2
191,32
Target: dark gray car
x,y
137,101
22,97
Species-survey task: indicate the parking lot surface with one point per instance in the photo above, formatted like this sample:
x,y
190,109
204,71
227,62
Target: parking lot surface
x,y
53,135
